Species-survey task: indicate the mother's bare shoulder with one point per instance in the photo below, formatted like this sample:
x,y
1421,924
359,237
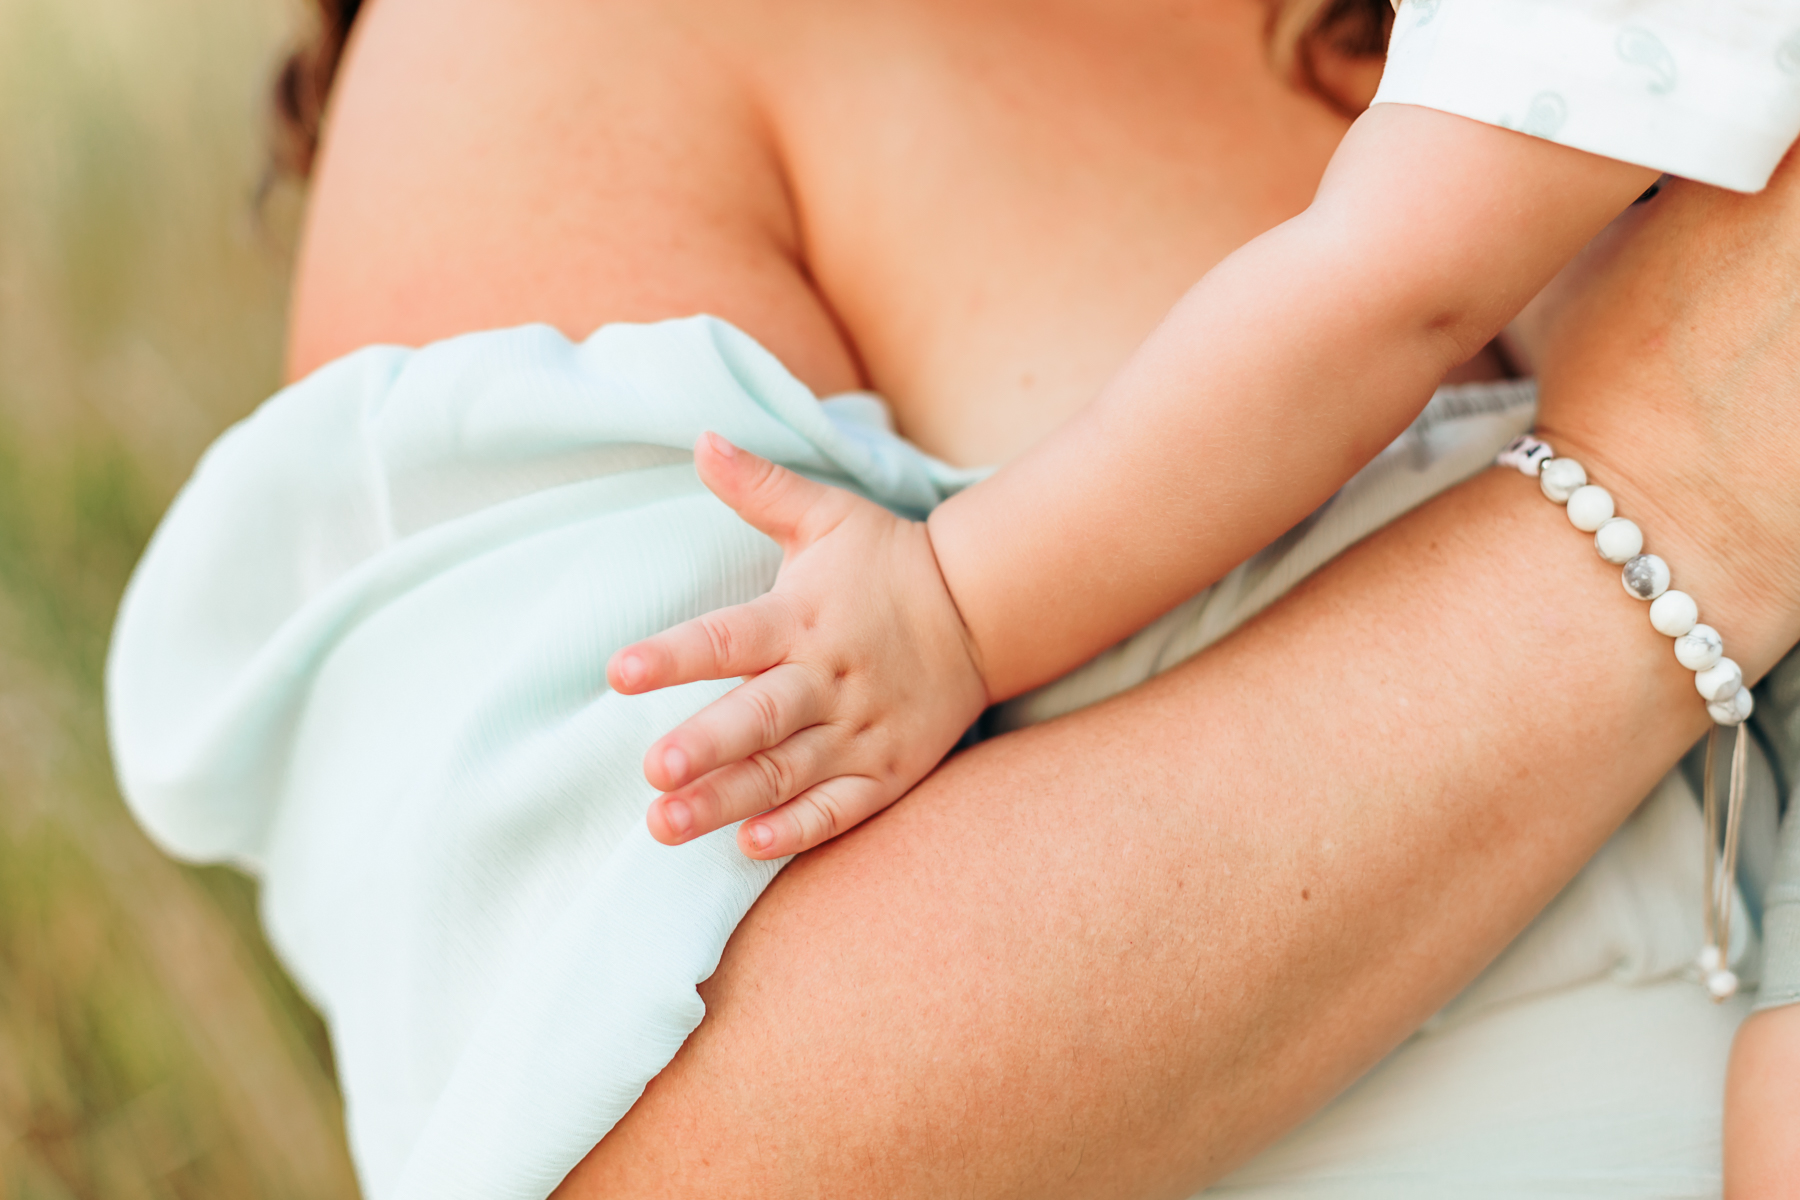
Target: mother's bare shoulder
x,y
561,161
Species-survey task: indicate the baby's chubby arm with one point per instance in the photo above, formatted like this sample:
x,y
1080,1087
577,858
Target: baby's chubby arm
x,y
1280,374
1275,379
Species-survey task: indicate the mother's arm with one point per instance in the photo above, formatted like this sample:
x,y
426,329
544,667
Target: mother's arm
x,y
1116,954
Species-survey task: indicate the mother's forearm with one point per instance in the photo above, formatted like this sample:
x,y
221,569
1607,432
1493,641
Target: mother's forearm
x,y
1116,954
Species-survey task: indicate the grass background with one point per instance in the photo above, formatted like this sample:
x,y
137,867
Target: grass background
x,y
149,1045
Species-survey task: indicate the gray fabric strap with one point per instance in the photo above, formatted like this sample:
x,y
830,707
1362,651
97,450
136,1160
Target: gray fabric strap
x,y
1781,920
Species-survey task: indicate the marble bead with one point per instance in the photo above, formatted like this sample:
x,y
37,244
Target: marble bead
x,y
1646,577
1674,613
1718,681
1711,959
1559,477
1619,541
1699,648
1722,984
1590,507
1733,709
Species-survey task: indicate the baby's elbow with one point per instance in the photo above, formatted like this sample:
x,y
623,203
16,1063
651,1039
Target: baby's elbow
x,y
1445,336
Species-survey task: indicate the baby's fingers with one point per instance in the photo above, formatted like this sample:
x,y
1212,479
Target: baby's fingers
x,y
749,786
789,508
815,816
741,640
757,716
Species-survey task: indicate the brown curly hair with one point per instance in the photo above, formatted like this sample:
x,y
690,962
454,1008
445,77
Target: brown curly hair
x,y
1297,28
303,84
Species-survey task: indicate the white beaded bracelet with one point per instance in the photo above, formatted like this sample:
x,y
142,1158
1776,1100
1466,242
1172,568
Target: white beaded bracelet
x,y
1698,647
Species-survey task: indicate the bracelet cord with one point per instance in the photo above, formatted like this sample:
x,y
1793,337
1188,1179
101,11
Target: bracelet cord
x,y
1721,860
1719,680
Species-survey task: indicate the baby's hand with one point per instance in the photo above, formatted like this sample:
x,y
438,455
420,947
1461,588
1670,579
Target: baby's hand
x,y
859,673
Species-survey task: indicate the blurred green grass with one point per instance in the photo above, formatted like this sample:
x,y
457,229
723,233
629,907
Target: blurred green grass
x,y
149,1045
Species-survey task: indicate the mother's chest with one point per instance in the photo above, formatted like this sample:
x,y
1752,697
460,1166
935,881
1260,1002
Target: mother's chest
x,y
1000,202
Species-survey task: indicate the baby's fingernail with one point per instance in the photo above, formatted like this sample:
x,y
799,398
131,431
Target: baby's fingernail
x,y
722,447
761,837
631,669
676,764
677,815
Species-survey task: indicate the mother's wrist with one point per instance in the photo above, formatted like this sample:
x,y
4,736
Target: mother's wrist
x,y
1669,368
1731,544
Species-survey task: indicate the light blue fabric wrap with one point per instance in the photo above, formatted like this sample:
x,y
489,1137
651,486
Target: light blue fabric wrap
x,y
365,656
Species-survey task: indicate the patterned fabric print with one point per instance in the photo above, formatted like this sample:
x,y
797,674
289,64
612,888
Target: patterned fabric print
x,y
1787,55
1640,47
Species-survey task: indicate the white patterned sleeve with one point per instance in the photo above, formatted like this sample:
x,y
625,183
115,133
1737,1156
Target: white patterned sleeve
x,y
1707,90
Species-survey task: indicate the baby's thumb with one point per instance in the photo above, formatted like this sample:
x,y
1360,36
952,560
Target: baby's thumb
x,y
770,498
